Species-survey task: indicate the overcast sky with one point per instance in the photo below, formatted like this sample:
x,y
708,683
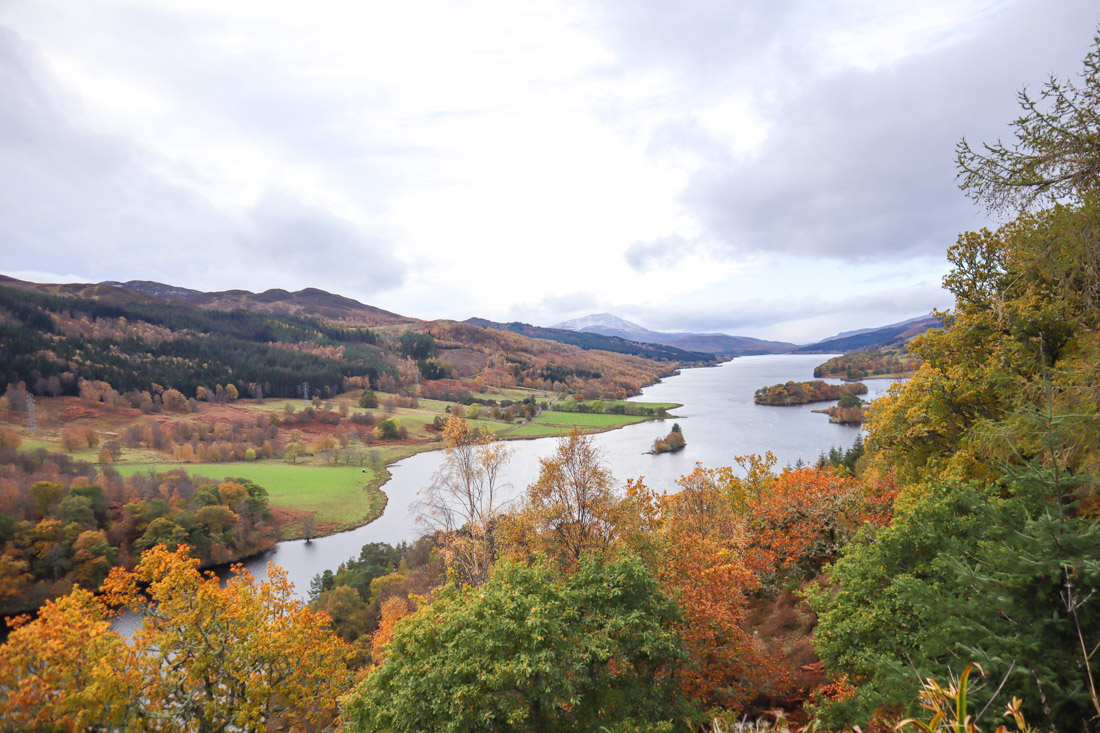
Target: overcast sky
x,y
781,170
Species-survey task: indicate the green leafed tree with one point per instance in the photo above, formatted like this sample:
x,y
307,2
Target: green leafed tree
x,y
531,650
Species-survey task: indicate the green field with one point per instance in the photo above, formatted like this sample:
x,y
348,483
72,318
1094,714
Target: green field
x,y
533,430
586,419
664,405
341,496
30,444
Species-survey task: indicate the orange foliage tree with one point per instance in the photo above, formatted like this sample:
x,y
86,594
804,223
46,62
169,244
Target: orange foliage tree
x,y
728,540
67,670
207,657
704,569
802,521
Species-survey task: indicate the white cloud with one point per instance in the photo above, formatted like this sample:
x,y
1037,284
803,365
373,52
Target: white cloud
x,y
41,276
447,159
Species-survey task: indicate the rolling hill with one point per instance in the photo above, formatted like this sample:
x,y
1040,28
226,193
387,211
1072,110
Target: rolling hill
x,y
310,302
592,340
887,337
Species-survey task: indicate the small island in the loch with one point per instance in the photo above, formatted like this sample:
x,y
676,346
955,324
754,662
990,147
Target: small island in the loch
x,y
848,411
801,393
672,443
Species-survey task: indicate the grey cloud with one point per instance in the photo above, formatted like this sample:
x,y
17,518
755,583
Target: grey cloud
x,y
554,308
708,43
860,169
73,195
857,165
685,133
314,241
101,206
311,119
645,256
569,302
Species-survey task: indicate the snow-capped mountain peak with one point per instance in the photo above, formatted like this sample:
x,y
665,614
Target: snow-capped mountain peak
x,y
601,322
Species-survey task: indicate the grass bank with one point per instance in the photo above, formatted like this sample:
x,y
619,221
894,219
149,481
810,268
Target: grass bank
x,y
339,497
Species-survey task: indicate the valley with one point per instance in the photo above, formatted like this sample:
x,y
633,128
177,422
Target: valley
x,y
523,368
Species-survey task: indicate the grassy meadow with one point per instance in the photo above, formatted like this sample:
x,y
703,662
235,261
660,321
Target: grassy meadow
x,y
339,497
586,419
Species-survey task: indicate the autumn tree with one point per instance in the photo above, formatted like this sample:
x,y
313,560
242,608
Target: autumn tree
x,y
68,671
671,443
571,508
207,657
388,429
991,552
368,399
802,523
393,609
1024,328
703,567
229,656
173,399
45,495
463,500
9,438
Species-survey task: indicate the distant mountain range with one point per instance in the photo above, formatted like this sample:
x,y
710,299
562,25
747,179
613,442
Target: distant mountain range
x,y
309,302
882,337
707,343
910,322
605,323
591,340
885,337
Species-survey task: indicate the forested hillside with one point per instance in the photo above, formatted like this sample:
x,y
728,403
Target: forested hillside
x,y
142,344
857,365
591,340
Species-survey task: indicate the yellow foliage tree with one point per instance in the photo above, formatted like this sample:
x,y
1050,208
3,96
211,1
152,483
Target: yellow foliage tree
x,y
207,657
67,670
572,509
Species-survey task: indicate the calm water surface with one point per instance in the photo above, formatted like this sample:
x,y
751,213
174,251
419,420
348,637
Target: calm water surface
x,y
718,418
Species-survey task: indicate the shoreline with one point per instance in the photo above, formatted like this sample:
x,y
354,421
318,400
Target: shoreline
x,y
386,475
294,530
